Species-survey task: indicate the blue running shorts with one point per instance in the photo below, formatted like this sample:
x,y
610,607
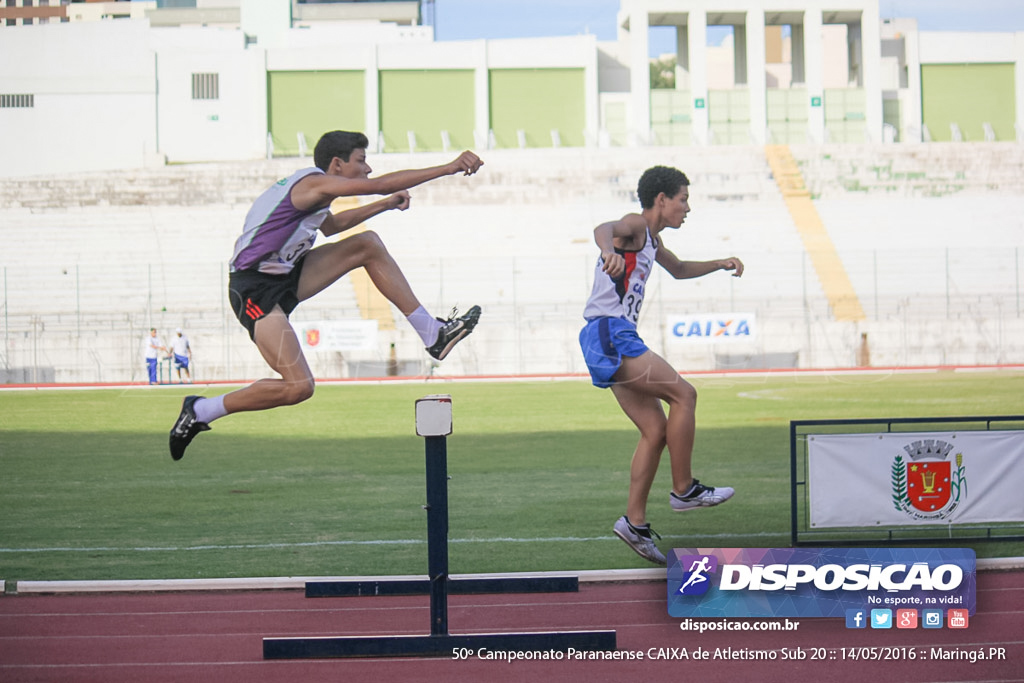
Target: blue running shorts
x,y
604,342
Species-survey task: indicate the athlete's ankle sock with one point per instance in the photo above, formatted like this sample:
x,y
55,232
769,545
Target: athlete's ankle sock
x,y
209,409
643,529
426,325
689,491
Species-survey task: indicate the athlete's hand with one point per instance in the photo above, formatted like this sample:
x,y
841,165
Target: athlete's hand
x,y
400,200
614,265
467,164
734,264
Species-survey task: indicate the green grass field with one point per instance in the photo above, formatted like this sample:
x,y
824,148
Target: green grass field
x,y
335,486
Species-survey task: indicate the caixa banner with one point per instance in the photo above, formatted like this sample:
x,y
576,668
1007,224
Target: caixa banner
x,y
711,328
817,582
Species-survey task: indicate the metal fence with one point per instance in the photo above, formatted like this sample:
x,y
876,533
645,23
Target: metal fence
x,y
87,322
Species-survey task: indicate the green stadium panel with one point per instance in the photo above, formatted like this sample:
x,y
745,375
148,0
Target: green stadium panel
x,y
845,115
729,116
968,95
891,113
786,110
428,104
537,101
313,103
672,117
615,123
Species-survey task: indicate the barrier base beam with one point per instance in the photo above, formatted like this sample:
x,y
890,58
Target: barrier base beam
x,y
447,645
359,588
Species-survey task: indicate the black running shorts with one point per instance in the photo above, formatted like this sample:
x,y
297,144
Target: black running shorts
x,y
254,294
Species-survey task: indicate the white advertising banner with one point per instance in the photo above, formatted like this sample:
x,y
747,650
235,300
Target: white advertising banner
x,y
711,328
915,478
337,335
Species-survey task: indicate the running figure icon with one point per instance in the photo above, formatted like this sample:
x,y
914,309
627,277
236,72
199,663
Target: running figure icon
x,y
697,571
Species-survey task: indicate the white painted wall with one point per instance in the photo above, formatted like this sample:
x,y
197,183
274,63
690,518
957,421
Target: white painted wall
x,y
95,98
960,47
232,127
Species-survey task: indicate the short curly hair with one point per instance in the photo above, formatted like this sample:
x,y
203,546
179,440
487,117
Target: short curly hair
x,y
337,143
658,179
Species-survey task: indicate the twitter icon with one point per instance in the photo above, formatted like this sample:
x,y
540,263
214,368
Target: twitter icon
x,y
881,618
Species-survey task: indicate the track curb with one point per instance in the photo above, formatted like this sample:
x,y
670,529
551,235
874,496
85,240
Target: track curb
x,y
299,582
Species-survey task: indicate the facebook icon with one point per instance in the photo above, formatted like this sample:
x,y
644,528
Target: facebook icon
x,y
856,618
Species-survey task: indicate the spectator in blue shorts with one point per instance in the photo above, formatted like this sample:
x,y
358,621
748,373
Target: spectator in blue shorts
x,y
152,348
182,351
639,378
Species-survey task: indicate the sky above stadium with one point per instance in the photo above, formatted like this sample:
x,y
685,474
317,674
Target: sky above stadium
x,y
476,19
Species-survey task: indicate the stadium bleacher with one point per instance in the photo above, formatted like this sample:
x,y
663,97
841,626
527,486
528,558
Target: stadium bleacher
x,y
930,234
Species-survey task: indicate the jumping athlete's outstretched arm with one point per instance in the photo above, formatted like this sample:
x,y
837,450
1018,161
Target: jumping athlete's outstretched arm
x,y
350,218
317,191
685,270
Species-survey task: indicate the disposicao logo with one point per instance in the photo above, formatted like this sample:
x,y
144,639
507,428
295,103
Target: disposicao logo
x,y
819,582
696,580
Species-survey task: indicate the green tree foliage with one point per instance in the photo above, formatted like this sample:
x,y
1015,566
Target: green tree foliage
x,y
663,73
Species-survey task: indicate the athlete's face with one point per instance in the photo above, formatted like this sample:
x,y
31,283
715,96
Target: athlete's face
x,y
356,166
676,208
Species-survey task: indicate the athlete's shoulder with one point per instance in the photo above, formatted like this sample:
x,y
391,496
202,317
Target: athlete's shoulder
x,y
301,174
631,231
634,222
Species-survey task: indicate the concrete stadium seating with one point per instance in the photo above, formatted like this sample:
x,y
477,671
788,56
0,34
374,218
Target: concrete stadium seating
x,y
930,234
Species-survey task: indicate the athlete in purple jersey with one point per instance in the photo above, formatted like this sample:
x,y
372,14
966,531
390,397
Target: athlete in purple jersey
x,y
639,378
275,267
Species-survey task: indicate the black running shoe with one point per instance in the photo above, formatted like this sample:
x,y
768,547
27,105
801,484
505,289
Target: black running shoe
x,y
186,428
452,331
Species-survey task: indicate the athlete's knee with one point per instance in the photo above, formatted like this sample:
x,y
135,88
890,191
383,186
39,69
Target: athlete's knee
x,y
684,395
297,391
655,432
371,244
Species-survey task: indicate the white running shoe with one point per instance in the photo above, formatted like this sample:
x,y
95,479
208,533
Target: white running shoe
x,y
700,496
635,539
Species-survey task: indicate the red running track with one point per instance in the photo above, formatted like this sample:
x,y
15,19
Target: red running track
x,y
202,636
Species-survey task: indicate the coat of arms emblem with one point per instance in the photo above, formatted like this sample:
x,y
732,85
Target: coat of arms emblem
x,y
925,485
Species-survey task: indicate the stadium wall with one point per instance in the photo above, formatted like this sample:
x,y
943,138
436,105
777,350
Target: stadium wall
x,y
226,122
93,98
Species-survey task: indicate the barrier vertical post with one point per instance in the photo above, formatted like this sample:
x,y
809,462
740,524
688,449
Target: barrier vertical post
x,y
434,423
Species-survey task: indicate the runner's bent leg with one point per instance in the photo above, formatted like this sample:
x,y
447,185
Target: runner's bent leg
x,y
326,264
641,384
647,414
279,346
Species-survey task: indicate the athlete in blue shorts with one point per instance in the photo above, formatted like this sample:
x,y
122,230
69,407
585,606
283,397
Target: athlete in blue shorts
x,y
639,378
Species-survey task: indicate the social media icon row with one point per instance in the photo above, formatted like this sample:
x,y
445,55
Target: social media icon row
x,y
906,618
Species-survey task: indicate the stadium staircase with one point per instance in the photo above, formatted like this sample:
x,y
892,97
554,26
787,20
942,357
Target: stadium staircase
x,y
817,242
